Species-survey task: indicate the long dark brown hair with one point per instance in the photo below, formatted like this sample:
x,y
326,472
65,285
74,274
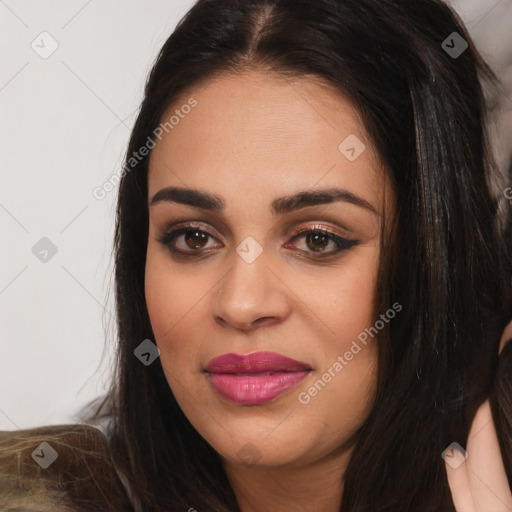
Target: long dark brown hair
x,y
443,259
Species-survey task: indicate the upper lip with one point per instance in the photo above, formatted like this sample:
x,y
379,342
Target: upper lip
x,y
256,362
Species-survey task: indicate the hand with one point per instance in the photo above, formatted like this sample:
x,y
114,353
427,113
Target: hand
x,y
480,483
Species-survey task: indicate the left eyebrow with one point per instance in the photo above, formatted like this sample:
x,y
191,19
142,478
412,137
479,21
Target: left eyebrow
x,y
305,198
280,206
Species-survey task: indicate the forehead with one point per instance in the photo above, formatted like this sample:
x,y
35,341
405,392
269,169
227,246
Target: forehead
x,y
260,132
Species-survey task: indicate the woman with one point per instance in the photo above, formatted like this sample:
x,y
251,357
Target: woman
x,y
311,281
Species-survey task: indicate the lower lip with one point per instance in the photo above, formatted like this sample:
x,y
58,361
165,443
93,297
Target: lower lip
x,y
257,388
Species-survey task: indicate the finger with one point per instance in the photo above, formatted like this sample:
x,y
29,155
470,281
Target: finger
x,y
485,469
507,336
458,479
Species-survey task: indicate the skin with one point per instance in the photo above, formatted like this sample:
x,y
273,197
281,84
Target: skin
x,y
252,138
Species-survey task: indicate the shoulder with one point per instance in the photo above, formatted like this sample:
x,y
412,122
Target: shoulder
x,y
64,466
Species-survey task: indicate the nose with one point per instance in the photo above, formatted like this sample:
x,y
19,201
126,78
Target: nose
x,y
250,295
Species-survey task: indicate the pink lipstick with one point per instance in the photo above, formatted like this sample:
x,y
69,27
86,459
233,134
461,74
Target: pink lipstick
x,y
257,378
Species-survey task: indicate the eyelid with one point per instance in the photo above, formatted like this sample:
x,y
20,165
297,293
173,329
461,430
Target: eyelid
x,y
193,224
319,227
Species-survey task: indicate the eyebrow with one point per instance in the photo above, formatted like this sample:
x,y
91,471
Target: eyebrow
x,y
280,206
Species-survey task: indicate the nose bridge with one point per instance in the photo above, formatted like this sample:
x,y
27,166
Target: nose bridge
x,y
250,290
247,282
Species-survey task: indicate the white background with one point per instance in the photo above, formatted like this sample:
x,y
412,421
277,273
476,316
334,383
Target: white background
x,y
64,125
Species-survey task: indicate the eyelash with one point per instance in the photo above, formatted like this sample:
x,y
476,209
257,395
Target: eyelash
x,y
168,237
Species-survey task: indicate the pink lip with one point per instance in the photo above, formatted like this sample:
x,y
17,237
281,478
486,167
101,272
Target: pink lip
x,y
252,379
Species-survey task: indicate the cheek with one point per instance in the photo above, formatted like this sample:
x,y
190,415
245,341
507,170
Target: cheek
x,y
171,295
177,300
346,301
344,383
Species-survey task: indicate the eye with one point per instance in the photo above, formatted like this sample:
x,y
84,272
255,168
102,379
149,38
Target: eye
x,y
317,238
190,240
193,239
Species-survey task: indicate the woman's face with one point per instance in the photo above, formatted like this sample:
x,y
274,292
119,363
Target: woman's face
x,y
242,280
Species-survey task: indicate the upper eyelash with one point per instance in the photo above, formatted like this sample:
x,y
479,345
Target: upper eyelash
x,y
340,241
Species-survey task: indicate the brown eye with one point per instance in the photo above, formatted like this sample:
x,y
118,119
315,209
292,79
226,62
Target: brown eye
x,y
185,241
317,241
195,239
